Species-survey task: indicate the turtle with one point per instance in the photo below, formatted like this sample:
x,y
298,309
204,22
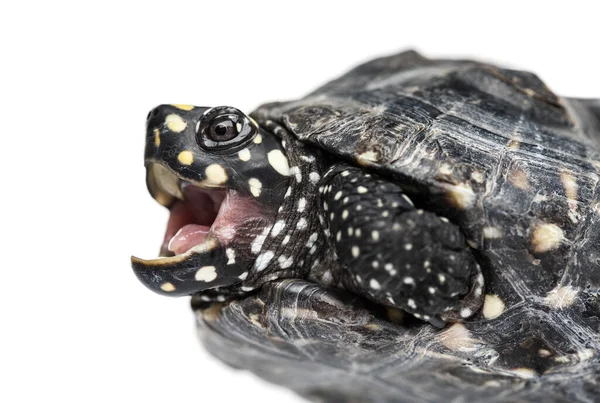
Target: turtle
x,y
416,230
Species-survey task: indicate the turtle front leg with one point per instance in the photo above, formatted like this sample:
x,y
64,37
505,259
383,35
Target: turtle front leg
x,y
396,254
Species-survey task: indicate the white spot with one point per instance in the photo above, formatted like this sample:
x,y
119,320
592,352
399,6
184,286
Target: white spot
x,y
255,186
332,215
263,260
375,235
279,162
257,139
288,192
408,246
257,244
314,177
206,273
296,172
385,213
345,214
244,155
345,173
312,239
561,297
355,251
277,227
350,231
461,195
243,276
544,353
230,255
493,306
374,284
346,200
247,288
313,250
362,189
358,278
338,236
426,264
215,174
408,280
285,262
301,204
405,197
411,303
338,195
466,312
388,267
546,237
431,290
357,233
375,264
286,239
492,232
442,278
302,224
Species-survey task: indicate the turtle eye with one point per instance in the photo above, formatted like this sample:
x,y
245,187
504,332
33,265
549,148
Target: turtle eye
x,y
223,127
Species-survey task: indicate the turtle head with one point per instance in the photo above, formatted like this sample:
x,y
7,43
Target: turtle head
x,y
223,179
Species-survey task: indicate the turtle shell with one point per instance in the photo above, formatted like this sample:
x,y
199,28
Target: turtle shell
x,y
503,157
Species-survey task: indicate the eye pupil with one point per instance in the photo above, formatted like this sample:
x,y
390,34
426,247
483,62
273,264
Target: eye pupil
x,y
221,130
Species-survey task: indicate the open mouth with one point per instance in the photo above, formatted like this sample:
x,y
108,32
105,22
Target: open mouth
x,y
200,216
191,219
196,212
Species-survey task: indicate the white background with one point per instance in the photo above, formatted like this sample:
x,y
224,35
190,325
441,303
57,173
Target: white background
x,y
77,80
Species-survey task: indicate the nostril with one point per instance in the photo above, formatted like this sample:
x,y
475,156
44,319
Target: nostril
x,y
152,113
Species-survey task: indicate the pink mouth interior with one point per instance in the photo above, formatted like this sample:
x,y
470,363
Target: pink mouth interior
x,y
191,220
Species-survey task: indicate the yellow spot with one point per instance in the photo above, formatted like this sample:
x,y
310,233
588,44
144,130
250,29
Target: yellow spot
x,y
206,274
492,306
183,107
175,123
458,338
279,162
570,184
561,297
514,144
156,137
244,155
461,195
258,139
215,174
255,186
368,158
518,177
212,313
445,169
492,232
167,287
526,373
185,157
546,237
477,176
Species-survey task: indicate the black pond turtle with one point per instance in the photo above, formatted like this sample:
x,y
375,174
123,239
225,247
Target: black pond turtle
x,y
415,230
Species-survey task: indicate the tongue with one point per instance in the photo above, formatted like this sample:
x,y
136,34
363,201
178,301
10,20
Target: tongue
x,y
188,237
